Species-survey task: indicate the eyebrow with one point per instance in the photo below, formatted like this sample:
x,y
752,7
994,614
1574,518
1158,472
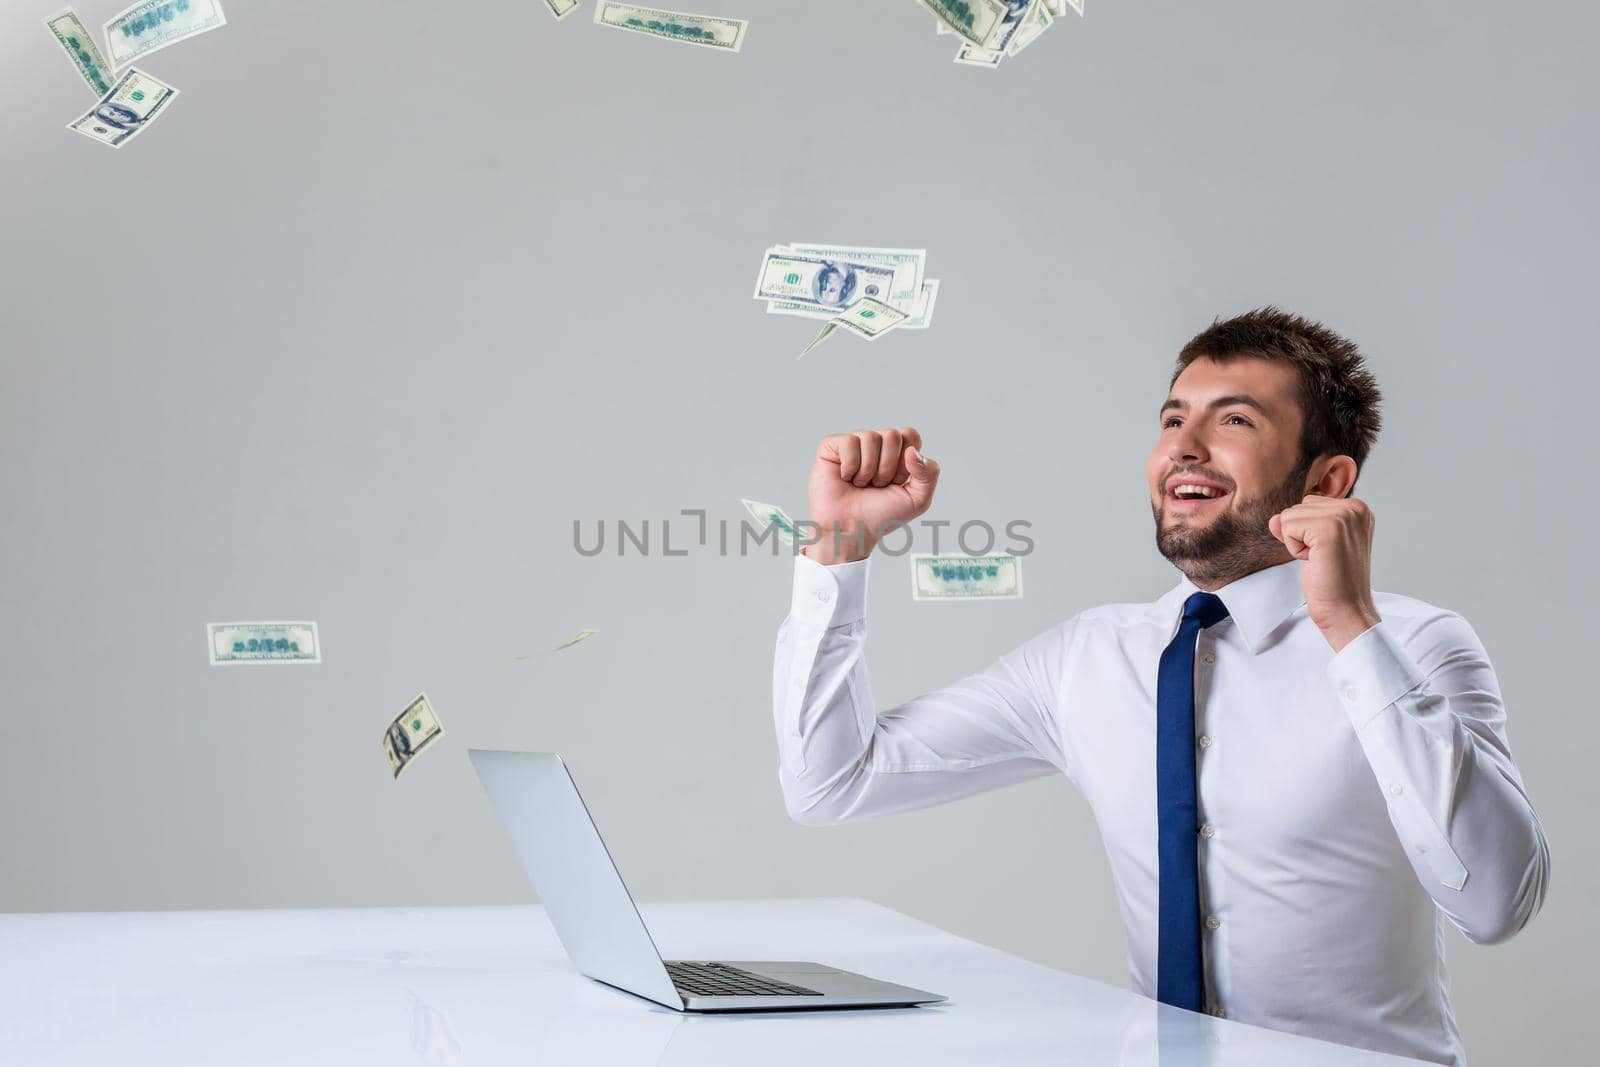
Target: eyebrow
x,y
1220,402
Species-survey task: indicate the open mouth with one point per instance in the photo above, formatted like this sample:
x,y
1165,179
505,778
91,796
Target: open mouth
x,y
1188,496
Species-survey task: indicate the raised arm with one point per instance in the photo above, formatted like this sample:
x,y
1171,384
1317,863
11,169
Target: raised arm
x,y
1431,721
842,759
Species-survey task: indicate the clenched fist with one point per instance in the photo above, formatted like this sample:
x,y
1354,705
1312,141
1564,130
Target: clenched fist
x,y
860,483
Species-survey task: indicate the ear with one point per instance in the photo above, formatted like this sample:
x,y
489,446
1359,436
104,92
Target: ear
x,y
1338,477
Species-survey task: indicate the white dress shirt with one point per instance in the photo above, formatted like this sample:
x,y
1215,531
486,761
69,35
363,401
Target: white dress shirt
x,y
1346,800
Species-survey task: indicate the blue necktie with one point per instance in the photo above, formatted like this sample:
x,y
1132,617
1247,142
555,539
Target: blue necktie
x,y
1178,967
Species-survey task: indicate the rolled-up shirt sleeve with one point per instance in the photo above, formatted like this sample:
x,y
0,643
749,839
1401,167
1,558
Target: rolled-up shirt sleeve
x,y
841,759
1430,718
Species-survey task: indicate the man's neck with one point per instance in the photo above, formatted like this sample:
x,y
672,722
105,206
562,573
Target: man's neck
x,y
1210,583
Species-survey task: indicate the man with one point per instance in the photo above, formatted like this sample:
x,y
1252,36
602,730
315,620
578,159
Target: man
x,y
1294,775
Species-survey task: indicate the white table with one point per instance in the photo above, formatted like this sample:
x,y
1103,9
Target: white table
x,y
484,986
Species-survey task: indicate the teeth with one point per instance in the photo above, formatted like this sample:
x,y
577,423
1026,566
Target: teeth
x,y
1196,490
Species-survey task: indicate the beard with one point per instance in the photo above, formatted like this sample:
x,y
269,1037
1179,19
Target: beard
x,y
1235,542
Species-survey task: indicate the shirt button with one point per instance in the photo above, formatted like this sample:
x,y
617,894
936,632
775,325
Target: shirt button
x,y
1396,789
1208,658
1205,742
1207,830
824,596
1349,692
1212,922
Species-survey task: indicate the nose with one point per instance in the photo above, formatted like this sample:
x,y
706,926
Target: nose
x,y
1187,446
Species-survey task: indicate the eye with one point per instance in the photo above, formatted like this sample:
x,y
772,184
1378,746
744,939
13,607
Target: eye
x,y
1167,423
1241,418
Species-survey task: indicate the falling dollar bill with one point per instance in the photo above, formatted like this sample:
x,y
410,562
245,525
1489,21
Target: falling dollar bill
x,y
976,20
820,282
908,265
263,642
561,8
581,635
867,318
774,516
152,24
724,35
966,577
993,30
870,319
1020,17
126,109
412,731
1038,19
69,30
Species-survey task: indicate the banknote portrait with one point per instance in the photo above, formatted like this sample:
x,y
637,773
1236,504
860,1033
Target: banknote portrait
x,y
399,740
118,117
834,285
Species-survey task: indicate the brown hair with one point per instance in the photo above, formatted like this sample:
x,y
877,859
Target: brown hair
x,y
1338,397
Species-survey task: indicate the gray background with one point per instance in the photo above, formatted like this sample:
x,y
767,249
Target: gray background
x,y
396,291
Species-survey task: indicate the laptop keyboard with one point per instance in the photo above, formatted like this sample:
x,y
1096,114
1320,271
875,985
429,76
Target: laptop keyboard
x,y
720,980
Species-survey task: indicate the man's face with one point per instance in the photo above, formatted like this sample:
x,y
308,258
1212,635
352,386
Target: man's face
x,y
1212,433
832,290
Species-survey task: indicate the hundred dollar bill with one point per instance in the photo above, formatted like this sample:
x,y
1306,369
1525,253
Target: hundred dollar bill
x,y
979,21
262,642
561,8
126,109
152,24
921,312
1038,19
1019,23
772,515
966,577
866,318
910,288
819,282
412,731
870,319
69,30
581,635
908,265
722,34
1018,14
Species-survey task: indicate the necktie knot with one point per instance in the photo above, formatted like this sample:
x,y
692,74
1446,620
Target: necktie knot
x,y
1206,608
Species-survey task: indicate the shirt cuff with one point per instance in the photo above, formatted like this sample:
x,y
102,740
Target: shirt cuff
x,y
825,597
1372,672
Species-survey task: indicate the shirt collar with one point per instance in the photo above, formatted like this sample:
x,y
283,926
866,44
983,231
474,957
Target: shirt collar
x,y
1256,603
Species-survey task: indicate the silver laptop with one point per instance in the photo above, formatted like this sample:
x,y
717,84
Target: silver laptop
x,y
601,929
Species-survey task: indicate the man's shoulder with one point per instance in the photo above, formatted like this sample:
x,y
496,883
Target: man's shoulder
x,y
1424,628
1119,615
1410,610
